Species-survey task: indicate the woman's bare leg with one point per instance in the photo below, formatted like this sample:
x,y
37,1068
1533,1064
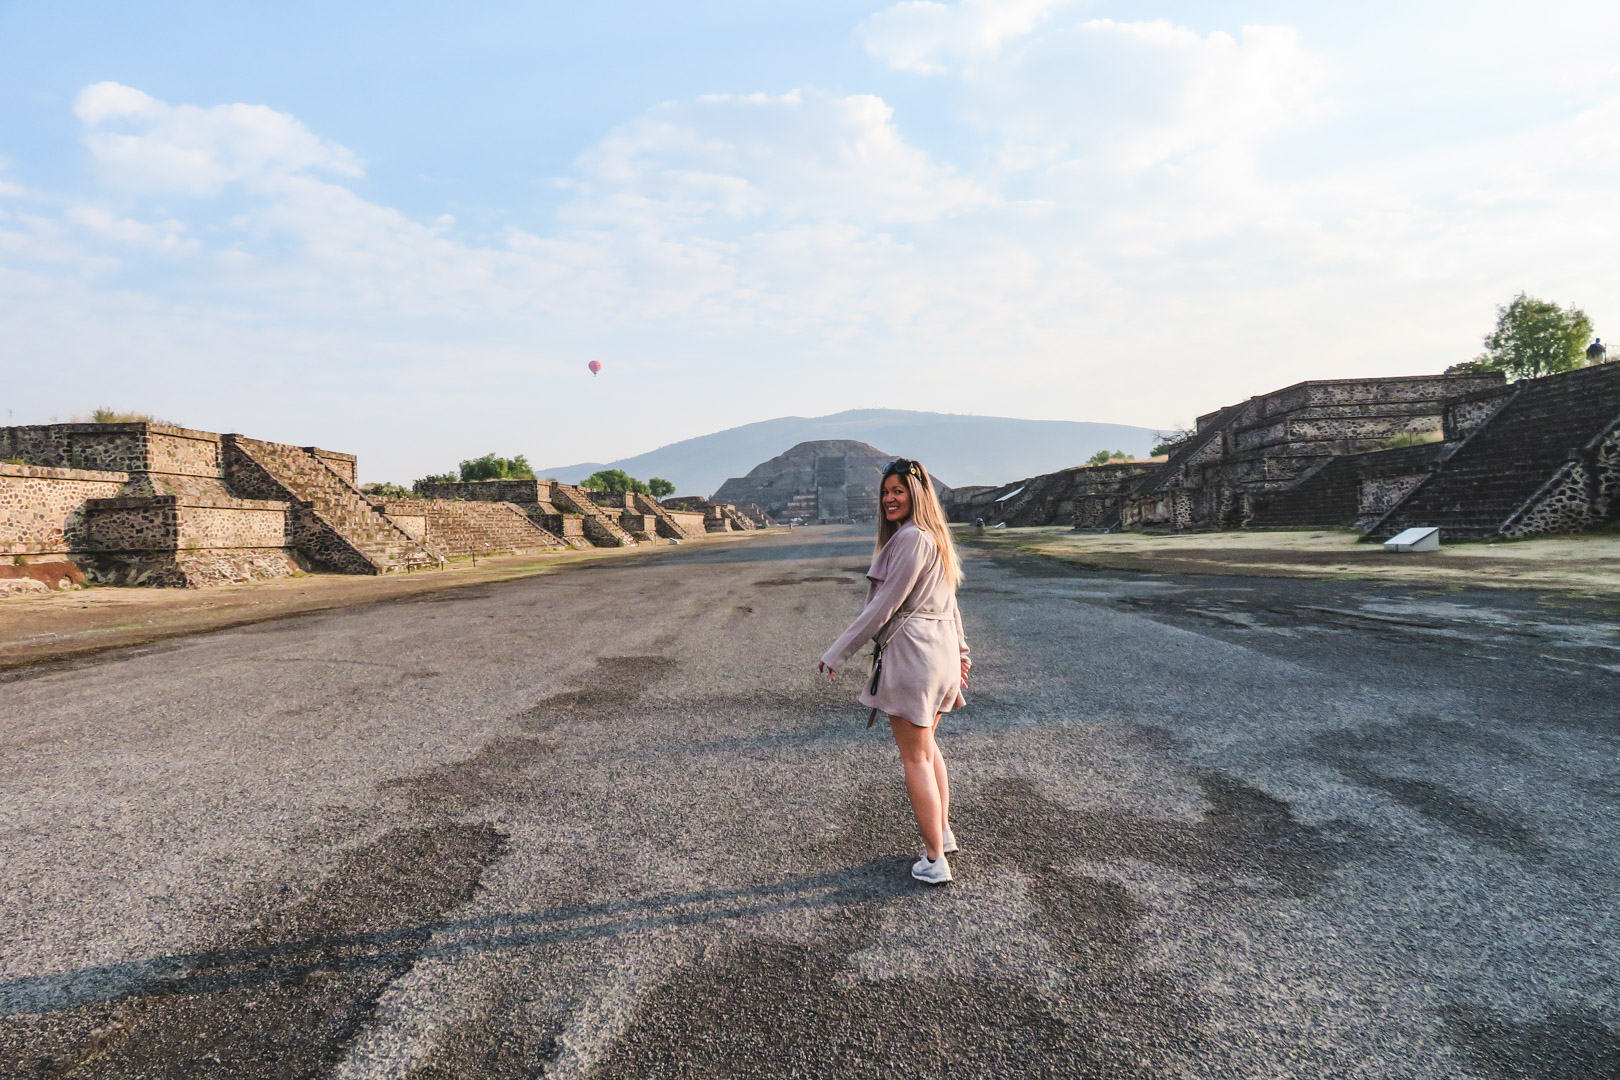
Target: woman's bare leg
x,y
943,782
917,753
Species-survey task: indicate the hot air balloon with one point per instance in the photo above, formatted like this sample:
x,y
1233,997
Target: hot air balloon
x,y
595,366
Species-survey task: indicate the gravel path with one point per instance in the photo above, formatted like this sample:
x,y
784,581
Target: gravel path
x,y
607,823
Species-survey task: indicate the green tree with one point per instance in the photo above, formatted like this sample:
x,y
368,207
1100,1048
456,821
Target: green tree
x,y
490,467
386,491
1536,337
1103,457
660,487
614,482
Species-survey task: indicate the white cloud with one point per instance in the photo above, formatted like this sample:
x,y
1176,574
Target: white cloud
x,y
803,155
144,144
1121,196
9,190
924,37
1137,95
165,236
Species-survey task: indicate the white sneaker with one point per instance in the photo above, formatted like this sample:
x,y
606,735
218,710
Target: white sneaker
x,y
949,847
932,871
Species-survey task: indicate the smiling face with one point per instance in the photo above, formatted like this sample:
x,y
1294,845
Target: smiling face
x,y
896,500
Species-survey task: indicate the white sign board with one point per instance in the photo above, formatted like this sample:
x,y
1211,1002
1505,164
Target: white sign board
x,y
1414,540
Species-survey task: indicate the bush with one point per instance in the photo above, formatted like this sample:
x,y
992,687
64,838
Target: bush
x,y
490,467
1411,438
1103,457
614,482
115,416
386,491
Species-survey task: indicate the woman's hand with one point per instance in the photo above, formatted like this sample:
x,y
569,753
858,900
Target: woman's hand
x,y
821,665
965,666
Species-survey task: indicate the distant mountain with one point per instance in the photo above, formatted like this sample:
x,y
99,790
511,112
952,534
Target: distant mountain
x,y
960,450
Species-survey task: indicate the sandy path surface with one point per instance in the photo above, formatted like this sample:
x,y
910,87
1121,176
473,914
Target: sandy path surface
x,y
57,626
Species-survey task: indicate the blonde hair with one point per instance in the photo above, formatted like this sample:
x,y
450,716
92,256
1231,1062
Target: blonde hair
x,y
927,514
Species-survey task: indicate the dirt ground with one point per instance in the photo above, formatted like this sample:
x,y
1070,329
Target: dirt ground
x,y
1586,565
37,627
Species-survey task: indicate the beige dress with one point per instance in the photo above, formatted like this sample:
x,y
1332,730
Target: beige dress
x,y
911,608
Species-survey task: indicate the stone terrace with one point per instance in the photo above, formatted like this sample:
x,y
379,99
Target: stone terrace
x,y
188,507
1262,446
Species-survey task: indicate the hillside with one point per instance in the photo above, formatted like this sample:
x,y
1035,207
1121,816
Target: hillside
x,y
958,449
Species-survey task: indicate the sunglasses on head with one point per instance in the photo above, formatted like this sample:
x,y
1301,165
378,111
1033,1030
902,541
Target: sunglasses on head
x,y
904,467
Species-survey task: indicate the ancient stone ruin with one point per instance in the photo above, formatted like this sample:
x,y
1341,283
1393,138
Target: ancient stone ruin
x,y
1087,496
718,517
1272,443
1540,455
825,480
151,504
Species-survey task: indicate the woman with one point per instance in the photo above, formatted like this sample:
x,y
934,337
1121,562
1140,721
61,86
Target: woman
x,y
923,661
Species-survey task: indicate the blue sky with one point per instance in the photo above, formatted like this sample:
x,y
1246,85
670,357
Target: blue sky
x,y
403,232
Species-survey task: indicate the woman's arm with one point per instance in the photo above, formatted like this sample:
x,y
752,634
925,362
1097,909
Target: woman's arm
x,y
961,639
905,563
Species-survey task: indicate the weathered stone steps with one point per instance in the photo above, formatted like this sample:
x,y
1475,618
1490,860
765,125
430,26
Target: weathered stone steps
x,y
1506,462
1328,498
600,528
461,528
333,522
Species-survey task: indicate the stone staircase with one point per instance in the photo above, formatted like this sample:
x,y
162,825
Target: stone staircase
x,y
600,528
667,526
330,521
1194,449
1330,494
459,528
1325,496
1495,475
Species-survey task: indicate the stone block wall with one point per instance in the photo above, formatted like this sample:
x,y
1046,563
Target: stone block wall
x,y
641,526
690,522
95,447
1364,431
42,509
522,492
158,522
570,528
182,451
1469,413
170,540
160,460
